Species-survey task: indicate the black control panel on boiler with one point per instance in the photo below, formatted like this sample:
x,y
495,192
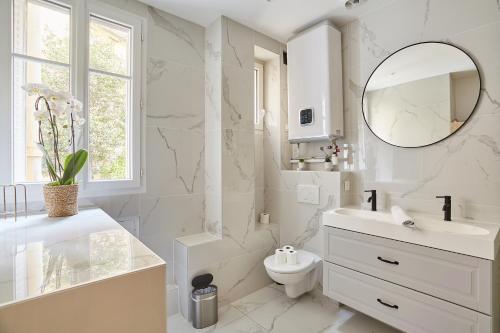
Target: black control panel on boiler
x,y
306,117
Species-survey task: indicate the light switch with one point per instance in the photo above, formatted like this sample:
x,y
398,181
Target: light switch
x,y
308,194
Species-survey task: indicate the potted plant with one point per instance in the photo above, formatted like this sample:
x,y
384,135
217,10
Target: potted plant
x,y
58,117
302,164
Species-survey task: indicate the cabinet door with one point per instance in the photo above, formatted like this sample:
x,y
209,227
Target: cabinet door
x,y
403,308
454,277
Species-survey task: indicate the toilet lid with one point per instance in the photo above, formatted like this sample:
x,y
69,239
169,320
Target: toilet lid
x,y
304,261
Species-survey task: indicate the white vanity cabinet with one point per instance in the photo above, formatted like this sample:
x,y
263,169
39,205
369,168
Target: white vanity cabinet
x,y
411,287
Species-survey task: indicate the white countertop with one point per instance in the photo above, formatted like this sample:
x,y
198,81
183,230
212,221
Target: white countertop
x,y
479,245
41,255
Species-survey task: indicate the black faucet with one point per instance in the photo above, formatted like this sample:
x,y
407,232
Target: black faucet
x,y
446,207
373,199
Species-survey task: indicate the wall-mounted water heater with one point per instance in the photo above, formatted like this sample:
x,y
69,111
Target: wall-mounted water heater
x,y
315,100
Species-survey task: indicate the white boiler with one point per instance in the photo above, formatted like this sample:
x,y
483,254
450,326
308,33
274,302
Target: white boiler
x,y
315,105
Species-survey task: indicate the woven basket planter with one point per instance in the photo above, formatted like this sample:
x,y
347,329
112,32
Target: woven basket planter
x,y
61,200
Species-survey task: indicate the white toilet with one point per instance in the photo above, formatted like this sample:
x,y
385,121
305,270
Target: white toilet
x,y
299,278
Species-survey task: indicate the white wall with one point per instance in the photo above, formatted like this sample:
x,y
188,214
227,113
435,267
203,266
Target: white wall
x,y
411,114
464,86
466,165
173,204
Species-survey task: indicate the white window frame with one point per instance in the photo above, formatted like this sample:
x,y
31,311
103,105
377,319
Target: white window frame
x,y
79,18
258,118
120,17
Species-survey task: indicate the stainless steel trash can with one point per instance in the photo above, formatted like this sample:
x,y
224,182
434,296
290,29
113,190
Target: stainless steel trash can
x,y
204,306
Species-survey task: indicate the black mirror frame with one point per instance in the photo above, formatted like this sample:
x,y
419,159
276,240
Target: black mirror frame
x,y
446,137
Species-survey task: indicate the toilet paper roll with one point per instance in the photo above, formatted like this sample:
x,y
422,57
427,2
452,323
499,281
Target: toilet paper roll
x,y
264,218
291,257
288,248
279,257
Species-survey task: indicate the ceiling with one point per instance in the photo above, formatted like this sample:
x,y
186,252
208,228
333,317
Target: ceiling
x,y
279,19
419,62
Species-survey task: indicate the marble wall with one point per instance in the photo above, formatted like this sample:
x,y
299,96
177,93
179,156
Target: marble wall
x,y
233,246
299,223
466,165
412,113
173,205
199,118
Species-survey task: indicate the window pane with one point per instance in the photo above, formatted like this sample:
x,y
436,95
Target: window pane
x,y
42,30
108,127
256,96
27,157
109,47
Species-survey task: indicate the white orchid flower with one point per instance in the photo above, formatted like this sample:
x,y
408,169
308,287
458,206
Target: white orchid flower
x,y
35,88
59,108
60,113
57,97
41,115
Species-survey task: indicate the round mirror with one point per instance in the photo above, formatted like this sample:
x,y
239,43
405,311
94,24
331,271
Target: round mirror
x,y
421,94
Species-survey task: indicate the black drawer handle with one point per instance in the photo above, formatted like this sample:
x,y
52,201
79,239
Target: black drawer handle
x,y
388,261
392,306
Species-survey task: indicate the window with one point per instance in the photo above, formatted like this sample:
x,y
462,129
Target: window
x,y
102,67
41,54
258,73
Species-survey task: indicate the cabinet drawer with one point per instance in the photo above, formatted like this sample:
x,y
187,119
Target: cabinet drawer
x,y
403,308
457,278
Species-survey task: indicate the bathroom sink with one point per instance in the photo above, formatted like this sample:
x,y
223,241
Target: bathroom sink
x,y
460,236
421,222
453,227
365,214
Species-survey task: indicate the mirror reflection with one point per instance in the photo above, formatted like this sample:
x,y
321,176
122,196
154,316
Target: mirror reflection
x,y
421,94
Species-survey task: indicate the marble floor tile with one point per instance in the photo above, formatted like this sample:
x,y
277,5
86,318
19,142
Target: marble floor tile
x,y
257,299
350,321
269,310
227,315
308,313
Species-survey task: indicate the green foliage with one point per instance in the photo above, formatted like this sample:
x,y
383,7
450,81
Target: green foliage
x,y
72,166
107,108
107,103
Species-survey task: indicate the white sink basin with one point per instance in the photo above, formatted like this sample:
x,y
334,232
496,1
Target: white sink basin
x,y
454,228
421,222
474,239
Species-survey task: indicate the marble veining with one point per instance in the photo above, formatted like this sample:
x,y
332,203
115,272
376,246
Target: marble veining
x,y
166,24
313,224
236,115
156,69
465,165
269,310
233,48
188,184
368,36
41,255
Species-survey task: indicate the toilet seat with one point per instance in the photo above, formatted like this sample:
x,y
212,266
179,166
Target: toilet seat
x,y
305,260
